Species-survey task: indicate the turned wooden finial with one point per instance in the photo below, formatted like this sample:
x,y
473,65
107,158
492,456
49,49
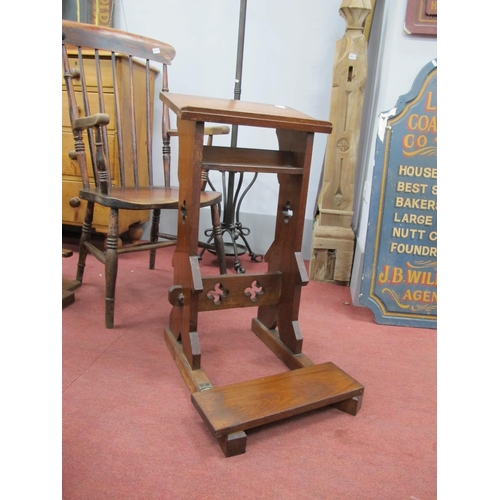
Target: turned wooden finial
x,y
355,13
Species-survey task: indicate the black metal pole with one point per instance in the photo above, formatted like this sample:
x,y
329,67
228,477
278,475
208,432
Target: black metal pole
x,y
239,64
229,209
232,199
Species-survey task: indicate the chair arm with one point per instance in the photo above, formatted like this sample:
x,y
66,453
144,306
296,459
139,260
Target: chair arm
x,y
91,121
216,130
209,130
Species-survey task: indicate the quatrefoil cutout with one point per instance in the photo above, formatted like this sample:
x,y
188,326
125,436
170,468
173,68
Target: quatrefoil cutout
x,y
217,294
253,290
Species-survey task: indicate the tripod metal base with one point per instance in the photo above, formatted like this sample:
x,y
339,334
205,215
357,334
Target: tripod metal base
x,y
229,249
232,248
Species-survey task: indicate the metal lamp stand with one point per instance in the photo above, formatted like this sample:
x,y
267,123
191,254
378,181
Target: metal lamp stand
x,y
231,191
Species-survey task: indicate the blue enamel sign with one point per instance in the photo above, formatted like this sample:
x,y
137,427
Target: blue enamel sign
x,y
400,269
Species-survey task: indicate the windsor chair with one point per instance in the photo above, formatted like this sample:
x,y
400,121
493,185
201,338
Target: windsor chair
x,y
113,142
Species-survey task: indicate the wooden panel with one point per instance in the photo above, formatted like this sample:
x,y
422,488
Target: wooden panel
x,y
249,160
245,405
230,290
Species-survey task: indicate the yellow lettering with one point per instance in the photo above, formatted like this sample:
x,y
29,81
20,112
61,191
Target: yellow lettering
x,y
415,203
422,123
404,232
413,276
425,220
412,122
411,187
384,275
387,277
411,171
432,127
421,277
412,249
397,275
428,103
408,141
423,296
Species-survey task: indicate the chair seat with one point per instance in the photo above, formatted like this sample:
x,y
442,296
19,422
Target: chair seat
x,y
144,198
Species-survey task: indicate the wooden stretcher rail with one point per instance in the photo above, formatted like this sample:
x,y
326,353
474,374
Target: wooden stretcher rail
x,y
249,290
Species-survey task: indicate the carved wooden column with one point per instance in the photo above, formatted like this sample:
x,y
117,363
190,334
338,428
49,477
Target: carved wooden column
x,y
333,237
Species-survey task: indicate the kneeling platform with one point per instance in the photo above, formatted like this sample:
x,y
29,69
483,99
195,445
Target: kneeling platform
x,y
233,408
228,411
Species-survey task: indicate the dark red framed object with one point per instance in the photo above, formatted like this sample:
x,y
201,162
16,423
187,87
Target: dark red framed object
x,y
421,17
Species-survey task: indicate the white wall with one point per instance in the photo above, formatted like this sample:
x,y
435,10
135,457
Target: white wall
x,y
288,60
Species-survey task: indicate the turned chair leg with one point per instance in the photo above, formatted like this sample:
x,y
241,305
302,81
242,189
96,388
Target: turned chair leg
x,y
218,241
111,266
155,224
85,236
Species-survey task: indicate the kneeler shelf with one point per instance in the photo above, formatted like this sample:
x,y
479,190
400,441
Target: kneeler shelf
x,y
230,410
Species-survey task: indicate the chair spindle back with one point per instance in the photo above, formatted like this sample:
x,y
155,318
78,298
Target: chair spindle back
x,y
109,72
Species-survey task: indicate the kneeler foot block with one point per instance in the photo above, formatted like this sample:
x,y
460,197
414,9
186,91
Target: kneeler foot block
x,y
68,286
233,444
68,294
230,409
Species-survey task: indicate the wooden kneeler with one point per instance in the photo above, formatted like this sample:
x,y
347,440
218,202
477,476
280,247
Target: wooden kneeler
x,y
229,411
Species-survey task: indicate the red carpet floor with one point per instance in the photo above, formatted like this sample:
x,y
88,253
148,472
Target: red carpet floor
x,y
130,430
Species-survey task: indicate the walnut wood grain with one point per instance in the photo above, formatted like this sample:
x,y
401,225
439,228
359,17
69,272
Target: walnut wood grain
x,y
242,406
249,160
202,109
237,291
145,197
92,36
